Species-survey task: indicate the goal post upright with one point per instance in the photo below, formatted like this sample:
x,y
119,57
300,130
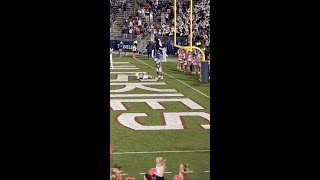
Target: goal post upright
x,y
190,47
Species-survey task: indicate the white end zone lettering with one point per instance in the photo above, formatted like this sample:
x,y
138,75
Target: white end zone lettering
x,y
117,104
172,121
132,86
124,76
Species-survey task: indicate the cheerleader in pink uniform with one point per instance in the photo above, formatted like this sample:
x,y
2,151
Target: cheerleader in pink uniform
x,y
189,60
115,174
160,167
182,173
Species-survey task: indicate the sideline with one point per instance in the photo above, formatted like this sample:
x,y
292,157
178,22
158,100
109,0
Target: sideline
x,y
175,79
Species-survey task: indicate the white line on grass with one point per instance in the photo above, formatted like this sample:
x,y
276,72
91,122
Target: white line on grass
x,y
176,79
206,171
124,66
146,95
127,72
154,152
120,62
124,174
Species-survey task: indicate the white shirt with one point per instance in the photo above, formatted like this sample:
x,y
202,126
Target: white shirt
x,y
158,169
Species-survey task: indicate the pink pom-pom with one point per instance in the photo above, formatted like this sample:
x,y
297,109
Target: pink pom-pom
x,y
151,172
176,177
154,170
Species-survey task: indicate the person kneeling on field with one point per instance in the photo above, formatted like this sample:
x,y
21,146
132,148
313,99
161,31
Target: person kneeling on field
x,y
144,77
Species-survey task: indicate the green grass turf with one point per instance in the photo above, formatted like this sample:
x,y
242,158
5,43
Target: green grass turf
x,y
192,138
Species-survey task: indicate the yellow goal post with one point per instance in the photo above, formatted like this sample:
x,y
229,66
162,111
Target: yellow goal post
x,y
190,47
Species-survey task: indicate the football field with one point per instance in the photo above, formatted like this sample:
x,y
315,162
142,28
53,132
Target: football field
x,y
168,118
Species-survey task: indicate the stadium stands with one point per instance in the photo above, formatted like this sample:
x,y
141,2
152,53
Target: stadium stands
x,y
152,19
149,20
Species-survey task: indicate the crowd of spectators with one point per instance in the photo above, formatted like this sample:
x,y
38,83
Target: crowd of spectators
x,y
156,18
117,6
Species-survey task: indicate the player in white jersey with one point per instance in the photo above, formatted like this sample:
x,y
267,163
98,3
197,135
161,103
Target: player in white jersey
x,y
159,68
164,54
111,62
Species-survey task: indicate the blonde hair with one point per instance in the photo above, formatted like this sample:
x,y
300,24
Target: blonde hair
x,y
184,172
115,173
161,161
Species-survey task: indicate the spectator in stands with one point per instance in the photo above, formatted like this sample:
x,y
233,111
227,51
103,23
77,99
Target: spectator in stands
x,y
130,33
147,16
151,16
138,33
122,32
126,32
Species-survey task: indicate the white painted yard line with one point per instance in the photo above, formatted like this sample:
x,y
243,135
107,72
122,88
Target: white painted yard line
x,y
176,79
206,171
120,62
167,172
123,66
138,83
124,174
143,173
127,72
189,171
154,152
146,95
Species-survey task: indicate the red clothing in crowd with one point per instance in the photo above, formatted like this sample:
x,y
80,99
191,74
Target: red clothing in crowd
x,y
138,31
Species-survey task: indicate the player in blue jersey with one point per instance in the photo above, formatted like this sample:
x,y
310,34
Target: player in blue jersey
x,y
159,66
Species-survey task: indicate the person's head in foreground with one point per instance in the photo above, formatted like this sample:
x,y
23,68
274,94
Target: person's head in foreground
x,y
115,174
147,177
160,161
